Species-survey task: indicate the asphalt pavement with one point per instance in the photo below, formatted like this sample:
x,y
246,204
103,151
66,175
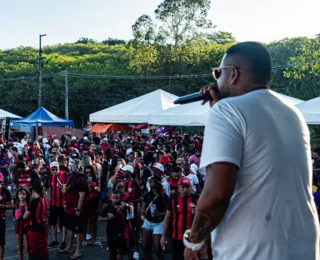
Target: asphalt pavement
x,y
91,252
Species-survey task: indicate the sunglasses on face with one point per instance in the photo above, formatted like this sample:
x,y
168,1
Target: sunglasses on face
x,y
88,172
216,72
119,187
54,170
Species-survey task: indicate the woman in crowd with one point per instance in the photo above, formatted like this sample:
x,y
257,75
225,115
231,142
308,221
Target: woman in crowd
x,y
37,228
154,210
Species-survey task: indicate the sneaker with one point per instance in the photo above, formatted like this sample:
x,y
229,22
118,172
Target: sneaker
x,y
136,255
63,245
53,244
88,237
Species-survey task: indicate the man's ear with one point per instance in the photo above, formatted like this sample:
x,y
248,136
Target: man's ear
x,y
235,74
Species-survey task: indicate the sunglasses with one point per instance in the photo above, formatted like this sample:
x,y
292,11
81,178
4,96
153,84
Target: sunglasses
x,y
88,171
54,170
216,72
120,187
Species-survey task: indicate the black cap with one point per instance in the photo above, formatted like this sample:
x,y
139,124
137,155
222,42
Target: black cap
x,y
156,178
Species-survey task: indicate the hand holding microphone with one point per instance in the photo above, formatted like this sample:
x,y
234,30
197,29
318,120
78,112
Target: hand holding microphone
x,y
213,91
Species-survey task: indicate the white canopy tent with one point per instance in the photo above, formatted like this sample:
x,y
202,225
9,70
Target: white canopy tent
x,y
311,111
6,114
194,114
136,110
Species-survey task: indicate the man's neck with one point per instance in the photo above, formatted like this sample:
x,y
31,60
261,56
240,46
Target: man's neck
x,y
249,88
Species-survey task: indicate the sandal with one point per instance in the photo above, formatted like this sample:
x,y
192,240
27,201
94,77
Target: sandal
x,y
64,251
97,243
84,243
75,256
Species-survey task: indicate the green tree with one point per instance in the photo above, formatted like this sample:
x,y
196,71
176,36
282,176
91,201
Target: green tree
x,y
304,68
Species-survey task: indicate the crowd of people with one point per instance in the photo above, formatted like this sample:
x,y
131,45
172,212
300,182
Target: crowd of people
x,y
145,187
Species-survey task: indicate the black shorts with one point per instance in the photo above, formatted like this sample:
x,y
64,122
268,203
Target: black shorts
x,y
74,223
177,249
134,223
54,214
2,232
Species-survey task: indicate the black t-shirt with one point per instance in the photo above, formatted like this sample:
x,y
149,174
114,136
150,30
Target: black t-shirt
x,y
77,183
115,226
158,204
5,197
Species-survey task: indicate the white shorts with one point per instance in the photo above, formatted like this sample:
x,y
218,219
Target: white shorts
x,y
156,228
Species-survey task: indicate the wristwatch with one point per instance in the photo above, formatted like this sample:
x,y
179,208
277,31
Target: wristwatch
x,y
188,244
76,209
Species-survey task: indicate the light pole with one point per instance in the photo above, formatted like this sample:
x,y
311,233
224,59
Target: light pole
x,y
40,72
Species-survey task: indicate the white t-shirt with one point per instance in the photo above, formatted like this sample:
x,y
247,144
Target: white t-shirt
x,y
194,179
19,146
272,215
23,142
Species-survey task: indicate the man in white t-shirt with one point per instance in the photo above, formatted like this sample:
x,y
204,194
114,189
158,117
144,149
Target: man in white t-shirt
x,y
192,176
257,199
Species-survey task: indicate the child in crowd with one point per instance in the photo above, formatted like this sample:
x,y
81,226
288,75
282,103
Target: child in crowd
x,y
118,227
23,199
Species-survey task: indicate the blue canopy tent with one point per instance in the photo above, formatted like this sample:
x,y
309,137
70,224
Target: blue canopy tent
x,y
42,117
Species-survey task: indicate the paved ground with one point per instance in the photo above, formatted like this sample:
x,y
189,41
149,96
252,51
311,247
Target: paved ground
x,y
88,252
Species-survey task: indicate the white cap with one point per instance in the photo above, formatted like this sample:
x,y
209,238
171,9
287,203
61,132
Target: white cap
x,y
105,139
54,164
194,168
56,141
127,168
85,138
129,150
73,138
152,141
45,140
159,166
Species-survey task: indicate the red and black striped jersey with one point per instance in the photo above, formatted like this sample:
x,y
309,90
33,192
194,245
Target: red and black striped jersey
x,y
132,188
17,213
182,214
57,182
38,208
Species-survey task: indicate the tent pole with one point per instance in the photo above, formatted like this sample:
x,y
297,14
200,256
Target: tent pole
x,y
9,129
148,132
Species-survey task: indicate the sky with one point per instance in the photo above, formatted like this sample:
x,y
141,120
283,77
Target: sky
x,y
22,21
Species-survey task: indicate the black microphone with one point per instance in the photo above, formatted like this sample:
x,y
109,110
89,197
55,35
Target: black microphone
x,y
192,98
